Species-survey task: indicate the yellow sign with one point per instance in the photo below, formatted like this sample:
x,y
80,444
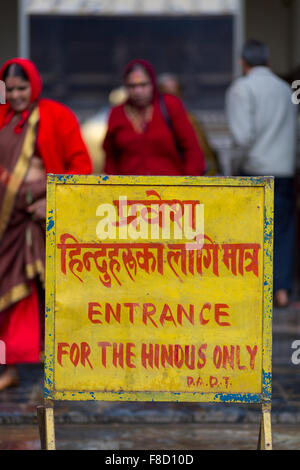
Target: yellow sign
x,y
159,288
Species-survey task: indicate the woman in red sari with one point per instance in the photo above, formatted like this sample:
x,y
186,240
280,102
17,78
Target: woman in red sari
x,y
37,136
150,135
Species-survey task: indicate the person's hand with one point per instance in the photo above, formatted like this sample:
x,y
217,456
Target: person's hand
x,y
38,210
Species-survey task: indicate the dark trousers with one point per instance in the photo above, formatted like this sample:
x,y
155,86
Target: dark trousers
x,y
284,233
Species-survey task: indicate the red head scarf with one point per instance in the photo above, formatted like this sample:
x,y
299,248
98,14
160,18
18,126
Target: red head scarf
x,y
35,82
148,68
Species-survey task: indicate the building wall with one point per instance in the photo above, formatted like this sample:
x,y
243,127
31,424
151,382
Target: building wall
x,y
9,37
275,22
131,7
295,39
81,58
14,30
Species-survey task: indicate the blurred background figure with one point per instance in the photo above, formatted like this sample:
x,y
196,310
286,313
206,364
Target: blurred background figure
x,y
37,136
169,84
94,129
263,121
2,92
147,135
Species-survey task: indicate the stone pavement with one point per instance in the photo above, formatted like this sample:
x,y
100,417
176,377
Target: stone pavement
x,y
110,422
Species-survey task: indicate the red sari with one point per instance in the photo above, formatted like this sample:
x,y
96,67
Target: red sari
x,y
153,150
48,130
22,248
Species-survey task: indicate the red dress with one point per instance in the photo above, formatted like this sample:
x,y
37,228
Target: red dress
x,y
57,140
154,151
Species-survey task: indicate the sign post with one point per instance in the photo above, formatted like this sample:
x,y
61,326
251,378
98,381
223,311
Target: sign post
x,y
158,289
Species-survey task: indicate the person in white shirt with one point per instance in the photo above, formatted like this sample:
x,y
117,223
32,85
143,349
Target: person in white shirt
x,y
263,121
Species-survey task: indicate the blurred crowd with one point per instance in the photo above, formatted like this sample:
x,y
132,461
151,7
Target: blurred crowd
x,y
145,130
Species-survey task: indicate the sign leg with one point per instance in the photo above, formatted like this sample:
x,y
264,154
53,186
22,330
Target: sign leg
x,y
45,414
265,432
